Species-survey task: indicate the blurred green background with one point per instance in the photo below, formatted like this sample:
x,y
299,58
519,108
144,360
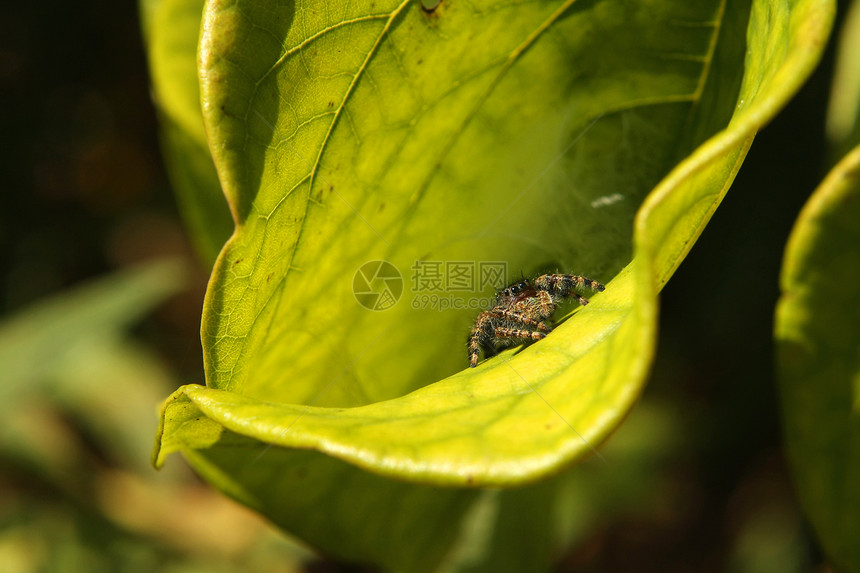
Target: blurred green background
x,y
695,480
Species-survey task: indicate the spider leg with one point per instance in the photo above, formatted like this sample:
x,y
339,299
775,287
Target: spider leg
x,y
473,356
474,351
505,337
525,318
562,286
480,336
546,306
578,298
504,332
487,328
474,346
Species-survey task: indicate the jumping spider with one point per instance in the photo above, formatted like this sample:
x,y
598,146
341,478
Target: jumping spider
x,y
520,311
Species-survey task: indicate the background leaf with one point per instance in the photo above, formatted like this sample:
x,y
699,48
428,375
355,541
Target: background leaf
x,y
77,405
843,116
171,29
818,360
41,340
67,346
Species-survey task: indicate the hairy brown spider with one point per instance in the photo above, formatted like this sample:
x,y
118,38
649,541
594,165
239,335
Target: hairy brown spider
x,y
521,311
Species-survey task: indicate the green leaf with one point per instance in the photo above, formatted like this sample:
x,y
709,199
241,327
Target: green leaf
x,y
72,350
818,343
843,114
348,513
544,136
171,29
37,341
